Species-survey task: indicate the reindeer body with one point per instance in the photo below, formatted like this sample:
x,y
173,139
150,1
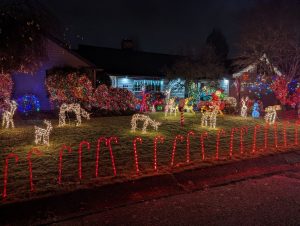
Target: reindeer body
x,y
79,112
8,116
147,121
171,107
210,116
271,114
188,108
244,107
42,135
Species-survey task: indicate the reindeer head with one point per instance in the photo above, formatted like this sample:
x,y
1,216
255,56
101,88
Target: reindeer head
x,y
49,125
155,124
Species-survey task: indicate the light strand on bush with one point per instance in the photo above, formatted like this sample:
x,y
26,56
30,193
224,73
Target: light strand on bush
x,y
232,140
5,176
219,133
156,139
80,156
243,131
136,160
99,141
256,127
29,154
180,138
188,145
202,136
63,148
115,140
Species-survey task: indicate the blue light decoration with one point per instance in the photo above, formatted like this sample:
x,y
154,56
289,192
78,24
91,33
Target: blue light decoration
x,y
28,103
260,87
255,111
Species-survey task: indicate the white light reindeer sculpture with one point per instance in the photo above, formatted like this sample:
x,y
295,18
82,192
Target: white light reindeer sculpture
x,y
42,135
244,107
210,116
171,107
8,116
271,114
64,108
146,119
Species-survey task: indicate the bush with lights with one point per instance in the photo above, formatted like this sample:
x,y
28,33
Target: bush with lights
x,y
6,86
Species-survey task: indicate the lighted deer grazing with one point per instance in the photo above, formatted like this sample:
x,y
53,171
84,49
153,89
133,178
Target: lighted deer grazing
x,y
64,108
271,114
146,119
8,116
244,107
210,116
42,135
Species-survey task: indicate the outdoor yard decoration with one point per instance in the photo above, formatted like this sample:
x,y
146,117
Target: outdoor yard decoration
x,y
230,101
63,148
256,127
244,107
8,116
156,139
147,121
136,158
271,113
177,138
28,103
219,133
87,144
6,87
181,110
285,124
266,132
233,130
210,116
255,110
243,131
171,107
188,145
202,137
188,106
79,112
144,105
29,154
42,135
275,128
11,155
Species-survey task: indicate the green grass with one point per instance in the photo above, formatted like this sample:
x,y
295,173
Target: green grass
x,y
45,167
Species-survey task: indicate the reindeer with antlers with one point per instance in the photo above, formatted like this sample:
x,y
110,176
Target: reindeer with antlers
x,y
8,116
42,135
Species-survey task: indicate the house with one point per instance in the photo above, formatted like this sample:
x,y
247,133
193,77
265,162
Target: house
x,y
132,69
57,55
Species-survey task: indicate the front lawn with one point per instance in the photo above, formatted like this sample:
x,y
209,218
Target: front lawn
x,y
45,167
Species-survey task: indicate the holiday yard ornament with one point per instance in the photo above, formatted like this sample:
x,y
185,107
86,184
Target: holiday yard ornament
x,y
210,116
146,119
79,112
271,114
8,116
244,107
171,107
42,135
188,107
255,111
230,101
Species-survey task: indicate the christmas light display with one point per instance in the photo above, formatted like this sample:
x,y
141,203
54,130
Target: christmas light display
x,y
79,112
188,145
230,101
28,103
256,127
5,173
177,138
232,140
156,139
109,141
210,116
188,106
244,107
275,134
296,125
255,110
6,87
29,154
144,105
42,135
80,156
266,131
285,124
136,159
147,121
181,110
243,131
219,133
202,137
271,114
8,116
100,140
171,107
63,148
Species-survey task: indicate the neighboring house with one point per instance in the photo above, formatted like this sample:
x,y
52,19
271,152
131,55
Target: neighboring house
x,y
57,56
131,69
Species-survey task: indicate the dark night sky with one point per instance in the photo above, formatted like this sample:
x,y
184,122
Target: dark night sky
x,y
165,26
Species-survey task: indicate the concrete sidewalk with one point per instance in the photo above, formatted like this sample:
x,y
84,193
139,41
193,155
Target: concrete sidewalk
x,y
80,203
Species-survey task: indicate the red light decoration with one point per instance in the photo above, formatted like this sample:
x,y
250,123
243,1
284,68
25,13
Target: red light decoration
x,y
231,140
63,148
219,133
11,155
115,140
100,140
285,124
188,146
180,138
80,157
296,132
256,127
202,136
136,160
243,131
29,154
275,134
266,132
182,118
156,139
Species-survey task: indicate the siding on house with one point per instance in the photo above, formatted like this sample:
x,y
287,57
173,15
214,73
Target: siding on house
x,y
35,83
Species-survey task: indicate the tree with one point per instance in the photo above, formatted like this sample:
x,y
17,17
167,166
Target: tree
x,y
217,42
23,25
272,28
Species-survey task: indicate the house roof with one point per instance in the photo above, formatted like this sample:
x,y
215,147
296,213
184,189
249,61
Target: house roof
x,y
127,62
